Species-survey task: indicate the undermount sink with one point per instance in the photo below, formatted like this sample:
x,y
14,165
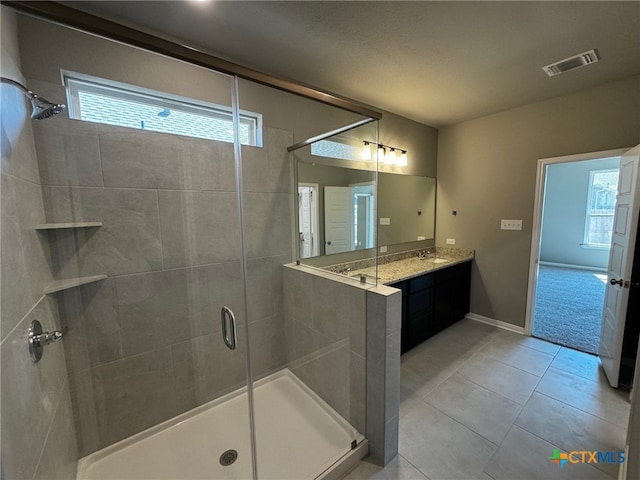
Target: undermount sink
x,y
435,260
439,260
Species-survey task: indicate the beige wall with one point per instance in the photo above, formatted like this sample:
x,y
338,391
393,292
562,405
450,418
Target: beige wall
x,y
486,172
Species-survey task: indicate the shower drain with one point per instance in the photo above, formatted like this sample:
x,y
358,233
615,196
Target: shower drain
x,y
228,457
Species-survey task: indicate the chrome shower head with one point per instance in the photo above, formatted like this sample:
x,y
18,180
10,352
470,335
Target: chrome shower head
x,y
42,108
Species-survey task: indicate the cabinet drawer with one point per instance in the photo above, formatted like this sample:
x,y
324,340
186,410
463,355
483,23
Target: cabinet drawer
x,y
420,283
420,303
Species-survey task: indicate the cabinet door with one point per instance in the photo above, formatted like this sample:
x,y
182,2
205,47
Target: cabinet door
x,y
443,302
462,291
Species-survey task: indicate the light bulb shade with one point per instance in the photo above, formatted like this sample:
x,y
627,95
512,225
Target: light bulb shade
x,y
390,159
366,152
402,159
381,154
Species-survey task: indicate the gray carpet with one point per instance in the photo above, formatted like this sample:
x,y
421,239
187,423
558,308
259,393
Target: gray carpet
x,y
568,308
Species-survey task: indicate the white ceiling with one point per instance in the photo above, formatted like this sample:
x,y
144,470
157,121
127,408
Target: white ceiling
x,y
435,62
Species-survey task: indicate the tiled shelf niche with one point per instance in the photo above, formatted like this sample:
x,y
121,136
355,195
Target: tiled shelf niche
x,y
60,226
67,283
60,285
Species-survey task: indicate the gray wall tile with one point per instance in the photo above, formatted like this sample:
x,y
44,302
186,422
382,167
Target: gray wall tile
x,y
268,223
162,308
209,367
94,326
24,252
199,227
142,159
268,169
68,159
122,398
268,351
128,241
59,460
30,393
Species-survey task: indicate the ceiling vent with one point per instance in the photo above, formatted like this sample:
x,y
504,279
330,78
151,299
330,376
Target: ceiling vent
x,y
571,63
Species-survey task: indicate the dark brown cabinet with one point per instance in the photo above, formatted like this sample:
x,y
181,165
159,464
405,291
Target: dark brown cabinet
x,y
432,302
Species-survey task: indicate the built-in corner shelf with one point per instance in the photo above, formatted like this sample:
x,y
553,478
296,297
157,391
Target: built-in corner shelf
x,y
60,285
59,226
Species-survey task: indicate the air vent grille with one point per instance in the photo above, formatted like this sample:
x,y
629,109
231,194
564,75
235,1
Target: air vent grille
x,y
571,63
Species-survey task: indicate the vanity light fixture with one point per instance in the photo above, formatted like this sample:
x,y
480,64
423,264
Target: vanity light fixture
x,y
366,151
388,155
390,159
402,160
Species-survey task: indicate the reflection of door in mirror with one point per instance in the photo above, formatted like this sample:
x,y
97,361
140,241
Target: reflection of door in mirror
x,y
338,219
308,219
349,217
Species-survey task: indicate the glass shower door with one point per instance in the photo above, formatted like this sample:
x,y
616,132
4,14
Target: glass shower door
x,y
309,371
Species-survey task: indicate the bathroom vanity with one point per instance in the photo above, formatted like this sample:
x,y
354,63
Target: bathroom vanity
x,y
435,288
433,301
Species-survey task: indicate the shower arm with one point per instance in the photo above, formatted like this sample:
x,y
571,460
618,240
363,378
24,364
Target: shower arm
x,y
41,107
24,89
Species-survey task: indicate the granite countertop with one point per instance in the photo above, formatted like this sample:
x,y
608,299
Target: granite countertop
x,y
412,266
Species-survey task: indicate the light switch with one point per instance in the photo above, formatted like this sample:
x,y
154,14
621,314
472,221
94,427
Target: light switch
x,y
511,224
383,249
385,221
451,241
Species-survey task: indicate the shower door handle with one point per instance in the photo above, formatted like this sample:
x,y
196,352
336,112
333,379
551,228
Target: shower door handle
x,y
228,320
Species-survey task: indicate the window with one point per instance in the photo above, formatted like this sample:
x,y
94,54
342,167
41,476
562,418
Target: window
x,y
327,148
103,101
601,203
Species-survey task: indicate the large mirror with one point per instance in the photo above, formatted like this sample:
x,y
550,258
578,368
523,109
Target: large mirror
x,y
337,209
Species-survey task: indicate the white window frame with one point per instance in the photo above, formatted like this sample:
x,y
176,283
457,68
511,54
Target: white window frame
x,y
78,82
588,214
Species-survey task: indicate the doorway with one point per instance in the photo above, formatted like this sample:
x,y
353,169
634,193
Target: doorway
x,y
308,219
575,207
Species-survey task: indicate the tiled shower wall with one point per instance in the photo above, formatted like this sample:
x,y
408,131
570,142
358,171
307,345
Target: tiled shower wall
x,y
326,338
145,344
37,431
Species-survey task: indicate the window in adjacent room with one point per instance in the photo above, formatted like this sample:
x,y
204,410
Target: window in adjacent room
x,y
601,203
103,101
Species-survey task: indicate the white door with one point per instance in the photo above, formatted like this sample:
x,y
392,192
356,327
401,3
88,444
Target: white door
x,y
338,219
620,263
308,220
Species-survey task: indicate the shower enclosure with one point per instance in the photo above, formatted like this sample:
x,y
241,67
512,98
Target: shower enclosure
x,y
160,214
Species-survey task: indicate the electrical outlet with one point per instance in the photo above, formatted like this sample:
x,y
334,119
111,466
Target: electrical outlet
x,y
385,221
383,249
451,241
511,224
420,237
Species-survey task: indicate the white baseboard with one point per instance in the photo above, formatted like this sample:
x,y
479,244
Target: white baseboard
x,y
496,323
575,267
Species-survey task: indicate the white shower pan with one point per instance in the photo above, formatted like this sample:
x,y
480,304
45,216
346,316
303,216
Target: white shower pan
x,y
299,437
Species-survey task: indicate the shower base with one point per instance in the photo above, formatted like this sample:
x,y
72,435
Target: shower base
x,y
298,435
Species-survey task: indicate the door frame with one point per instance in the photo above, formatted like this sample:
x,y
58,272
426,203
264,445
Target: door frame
x,y
315,226
536,226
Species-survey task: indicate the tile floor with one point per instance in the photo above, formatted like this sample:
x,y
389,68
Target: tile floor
x,y
478,402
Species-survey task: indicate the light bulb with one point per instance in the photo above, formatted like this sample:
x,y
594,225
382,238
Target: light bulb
x,y
402,161
381,153
390,159
366,152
